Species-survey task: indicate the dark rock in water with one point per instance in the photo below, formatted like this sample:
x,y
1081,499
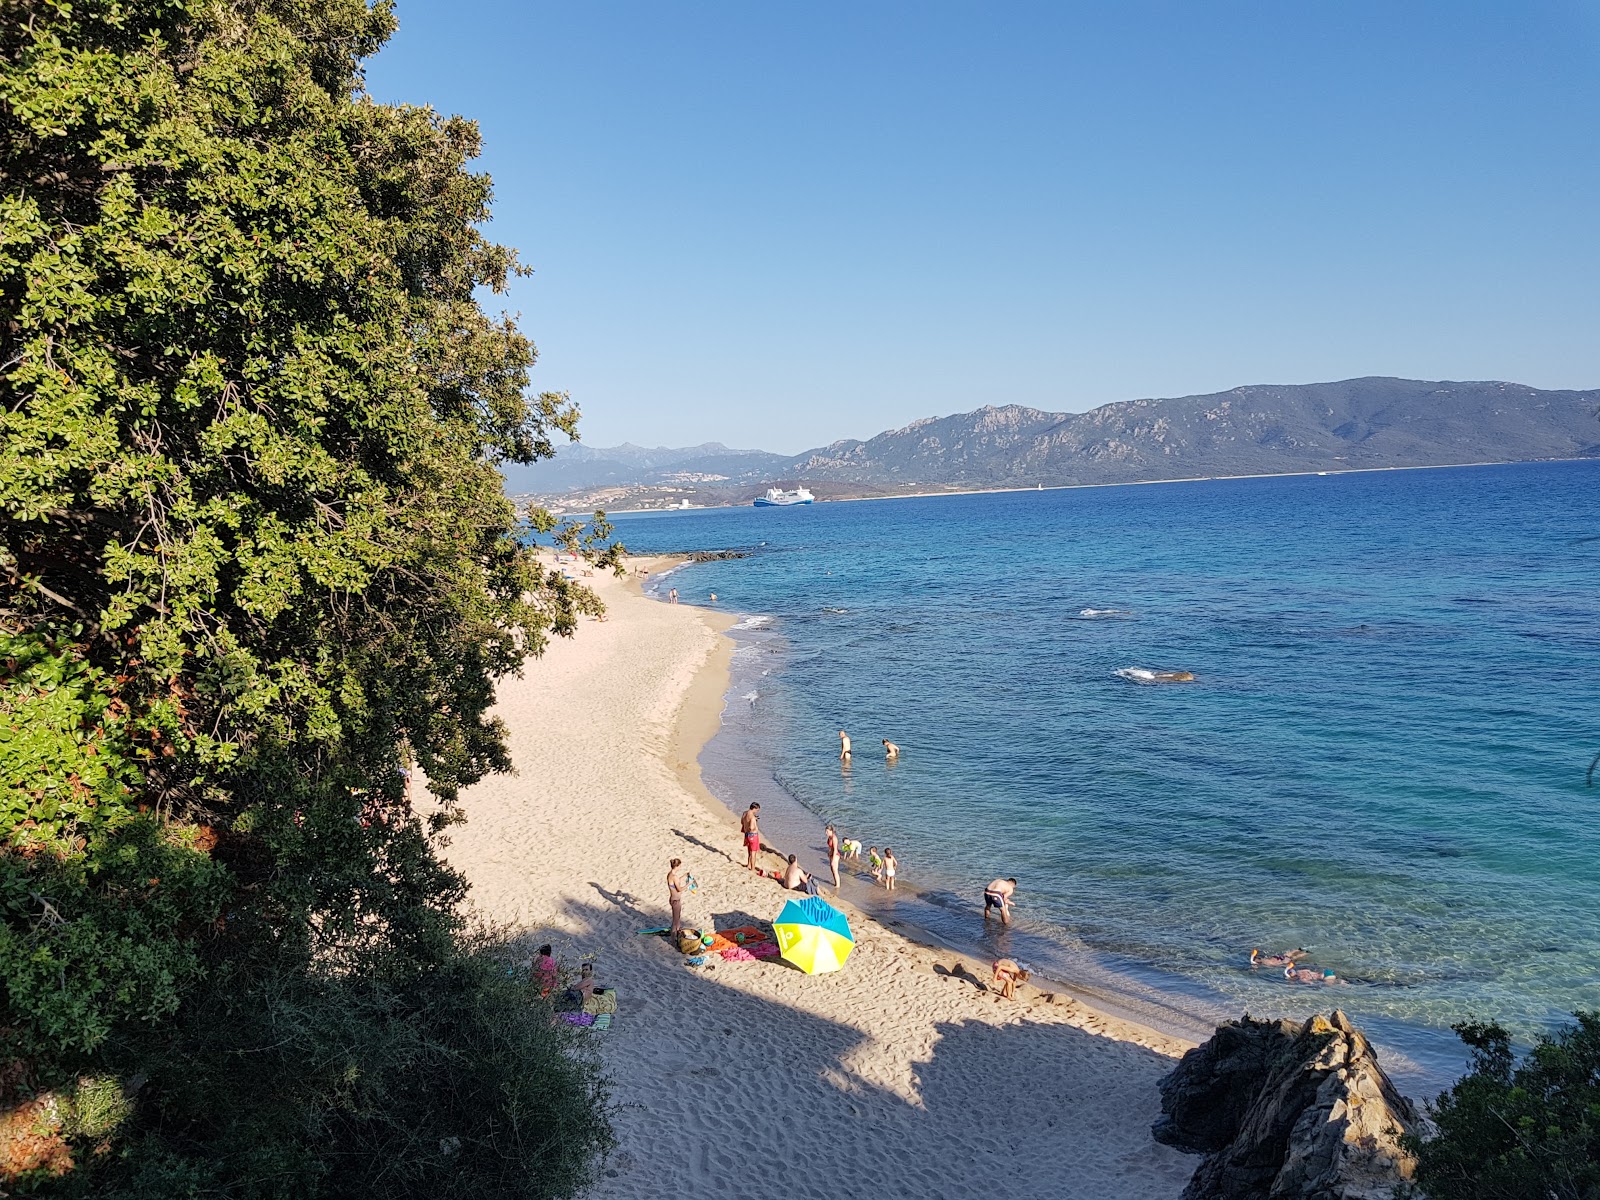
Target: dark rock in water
x,y
1285,1110
717,555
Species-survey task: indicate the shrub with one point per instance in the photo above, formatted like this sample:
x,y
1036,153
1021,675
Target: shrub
x,y
1510,1130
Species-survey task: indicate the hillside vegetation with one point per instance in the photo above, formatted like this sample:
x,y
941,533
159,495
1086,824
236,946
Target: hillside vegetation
x,y
255,559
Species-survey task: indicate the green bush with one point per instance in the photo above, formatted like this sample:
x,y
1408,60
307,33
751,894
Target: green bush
x,y
1510,1130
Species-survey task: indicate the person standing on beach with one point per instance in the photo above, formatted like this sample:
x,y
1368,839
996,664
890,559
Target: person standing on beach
x,y
891,868
844,745
833,855
998,895
890,750
677,885
752,834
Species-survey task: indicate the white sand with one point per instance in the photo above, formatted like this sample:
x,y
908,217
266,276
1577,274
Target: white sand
x,y
889,1078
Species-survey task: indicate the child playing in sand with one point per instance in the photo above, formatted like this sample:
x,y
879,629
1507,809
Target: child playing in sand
x,y
1008,973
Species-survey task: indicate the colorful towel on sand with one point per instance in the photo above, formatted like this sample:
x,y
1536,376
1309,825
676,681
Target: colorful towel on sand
x,y
764,950
601,1002
576,1018
728,939
738,954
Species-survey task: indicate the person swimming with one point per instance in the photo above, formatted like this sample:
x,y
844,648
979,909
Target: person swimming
x,y
1282,959
1296,974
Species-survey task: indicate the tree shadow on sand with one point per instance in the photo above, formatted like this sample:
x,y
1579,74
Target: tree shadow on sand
x,y
702,1065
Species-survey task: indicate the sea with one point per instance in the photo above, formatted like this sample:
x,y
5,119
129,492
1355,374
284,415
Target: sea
x,y
1384,755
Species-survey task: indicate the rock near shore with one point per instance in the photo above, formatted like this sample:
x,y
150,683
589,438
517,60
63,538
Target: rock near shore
x,y
1285,1110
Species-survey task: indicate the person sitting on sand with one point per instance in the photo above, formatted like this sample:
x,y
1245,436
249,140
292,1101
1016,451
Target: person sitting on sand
x,y
1008,973
891,868
890,750
796,878
1283,959
844,744
752,835
584,989
998,895
546,974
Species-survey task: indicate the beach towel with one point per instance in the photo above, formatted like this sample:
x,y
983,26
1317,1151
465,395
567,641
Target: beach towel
x,y
579,1018
763,950
601,1002
738,954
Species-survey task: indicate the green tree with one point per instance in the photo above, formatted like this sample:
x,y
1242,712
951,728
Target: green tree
x,y
1510,1130
254,553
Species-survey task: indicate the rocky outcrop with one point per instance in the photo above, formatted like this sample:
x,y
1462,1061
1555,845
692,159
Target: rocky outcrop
x,y
1288,1111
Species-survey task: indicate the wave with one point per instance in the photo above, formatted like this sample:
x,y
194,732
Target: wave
x,y
835,610
755,622
1143,675
751,696
1104,614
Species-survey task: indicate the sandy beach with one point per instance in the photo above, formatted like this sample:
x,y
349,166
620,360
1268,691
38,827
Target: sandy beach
x,y
900,1075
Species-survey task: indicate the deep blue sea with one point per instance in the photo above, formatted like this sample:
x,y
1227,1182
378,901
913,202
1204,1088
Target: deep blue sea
x,y
1382,757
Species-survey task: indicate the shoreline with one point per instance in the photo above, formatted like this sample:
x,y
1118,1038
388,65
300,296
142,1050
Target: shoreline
x,y
904,1066
1072,487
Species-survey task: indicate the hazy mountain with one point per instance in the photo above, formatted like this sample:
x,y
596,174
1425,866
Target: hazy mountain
x,y
578,466
1372,422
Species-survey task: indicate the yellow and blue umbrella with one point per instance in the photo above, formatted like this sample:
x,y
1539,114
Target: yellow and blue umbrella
x,y
813,935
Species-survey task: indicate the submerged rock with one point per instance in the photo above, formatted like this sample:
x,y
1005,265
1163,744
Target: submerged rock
x,y
1285,1109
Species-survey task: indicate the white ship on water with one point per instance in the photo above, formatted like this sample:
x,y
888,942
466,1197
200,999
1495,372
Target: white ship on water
x,y
777,499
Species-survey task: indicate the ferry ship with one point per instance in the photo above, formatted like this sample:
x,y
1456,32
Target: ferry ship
x,y
776,499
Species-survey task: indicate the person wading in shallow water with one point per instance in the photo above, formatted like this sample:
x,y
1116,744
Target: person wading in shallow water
x,y
752,834
998,895
844,745
833,854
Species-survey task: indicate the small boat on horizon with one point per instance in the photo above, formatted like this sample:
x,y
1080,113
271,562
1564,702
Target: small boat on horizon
x,y
780,499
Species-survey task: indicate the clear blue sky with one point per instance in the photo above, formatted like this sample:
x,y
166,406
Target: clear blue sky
x,y
774,225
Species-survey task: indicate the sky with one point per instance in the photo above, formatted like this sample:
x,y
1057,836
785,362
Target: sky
x,y
777,225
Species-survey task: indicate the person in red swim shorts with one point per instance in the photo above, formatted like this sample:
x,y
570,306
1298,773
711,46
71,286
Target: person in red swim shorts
x,y
752,835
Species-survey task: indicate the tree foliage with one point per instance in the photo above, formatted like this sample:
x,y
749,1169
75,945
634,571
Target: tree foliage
x,y
254,553
1510,1130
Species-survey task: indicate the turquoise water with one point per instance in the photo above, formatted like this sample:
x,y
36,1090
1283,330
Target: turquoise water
x,y
1382,757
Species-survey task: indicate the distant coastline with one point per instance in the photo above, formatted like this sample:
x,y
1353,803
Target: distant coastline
x,y
1068,487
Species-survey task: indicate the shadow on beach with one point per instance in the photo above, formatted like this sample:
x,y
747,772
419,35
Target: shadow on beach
x,y
716,1087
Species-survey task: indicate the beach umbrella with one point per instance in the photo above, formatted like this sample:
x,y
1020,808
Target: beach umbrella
x,y
813,935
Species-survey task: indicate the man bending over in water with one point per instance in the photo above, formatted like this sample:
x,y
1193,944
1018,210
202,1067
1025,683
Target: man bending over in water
x,y
752,835
890,750
998,895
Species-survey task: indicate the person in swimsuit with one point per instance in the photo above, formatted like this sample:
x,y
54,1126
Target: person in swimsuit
x,y
1008,973
998,895
891,867
833,854
844,744
875,862
752,835
677,885
890,750
796,876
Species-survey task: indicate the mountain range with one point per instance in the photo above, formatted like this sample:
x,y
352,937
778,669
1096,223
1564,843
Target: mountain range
x,y
1267,429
